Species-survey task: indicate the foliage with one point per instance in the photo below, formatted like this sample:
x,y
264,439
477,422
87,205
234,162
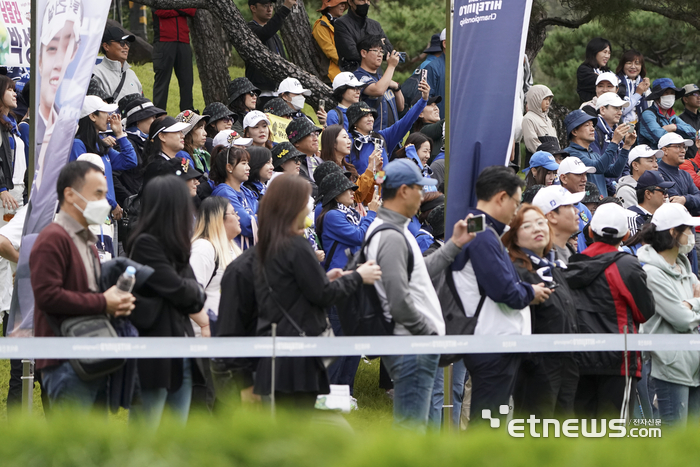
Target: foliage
x,y
671,48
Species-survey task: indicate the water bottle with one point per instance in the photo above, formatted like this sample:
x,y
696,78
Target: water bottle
x,y
126,281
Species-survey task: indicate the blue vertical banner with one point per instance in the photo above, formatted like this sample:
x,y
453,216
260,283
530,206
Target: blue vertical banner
x,y
67,36
487,49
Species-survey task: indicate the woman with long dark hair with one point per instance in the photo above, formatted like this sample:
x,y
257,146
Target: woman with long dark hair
x,y
229,169
261,170
418,148
542,170
162,240
598,53
256,125
293,291
95,117
546,382
336,146
13,156
634,84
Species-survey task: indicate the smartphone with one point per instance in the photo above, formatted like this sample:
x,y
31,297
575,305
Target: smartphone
x,y
402,57
476,224
378,143
551,285
631,128
424,75
322,104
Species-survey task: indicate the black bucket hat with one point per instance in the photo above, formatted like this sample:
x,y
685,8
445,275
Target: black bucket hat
x,y
550,144
325,169
334,184
283,152
300,128
238,87
279,107
135,108
217,111
592,194
358,110
436,221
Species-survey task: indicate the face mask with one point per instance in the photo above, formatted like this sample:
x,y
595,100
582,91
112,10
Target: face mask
x,y
298,102
688,247
667,102
95,212
362,10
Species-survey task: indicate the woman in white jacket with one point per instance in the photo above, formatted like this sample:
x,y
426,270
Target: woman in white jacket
x,y
675,375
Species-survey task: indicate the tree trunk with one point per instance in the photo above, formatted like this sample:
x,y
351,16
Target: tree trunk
x,y
210,52
299,42
557,112
249,46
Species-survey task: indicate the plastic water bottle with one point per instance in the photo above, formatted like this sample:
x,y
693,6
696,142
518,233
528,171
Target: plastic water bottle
x,y
126,281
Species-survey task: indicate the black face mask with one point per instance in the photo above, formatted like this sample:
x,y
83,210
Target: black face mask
x,y
362,10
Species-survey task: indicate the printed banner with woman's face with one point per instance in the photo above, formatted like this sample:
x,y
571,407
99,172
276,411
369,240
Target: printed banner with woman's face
x,y
68,38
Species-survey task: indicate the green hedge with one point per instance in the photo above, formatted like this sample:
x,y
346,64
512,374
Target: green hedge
x,y
254,439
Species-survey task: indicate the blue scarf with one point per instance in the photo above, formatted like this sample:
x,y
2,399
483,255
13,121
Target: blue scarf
x,y
351,214
543,266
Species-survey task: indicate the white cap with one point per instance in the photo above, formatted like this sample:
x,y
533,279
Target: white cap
x,y
443,35
573,165
346,79
254,117
93,104
643,151
292,85
610,220
56,14
551,197
671,215
673,138
608,76
93,159
230,138
610,98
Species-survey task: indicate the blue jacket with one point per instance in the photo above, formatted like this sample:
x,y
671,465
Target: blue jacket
x,y
392,136
241,202
651,123
428,59
124,159
610,164
436,80
584,218
496,275
385,104
338,229
684,186
332,117
423,237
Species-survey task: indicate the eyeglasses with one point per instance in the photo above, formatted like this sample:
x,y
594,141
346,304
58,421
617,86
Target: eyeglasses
x,y
529,226
253,94
693,94
680,147
226,119
376,51
126,44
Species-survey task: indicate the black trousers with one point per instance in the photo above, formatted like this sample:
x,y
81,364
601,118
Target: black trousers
x,y
601,396
493,382
546,386
166,57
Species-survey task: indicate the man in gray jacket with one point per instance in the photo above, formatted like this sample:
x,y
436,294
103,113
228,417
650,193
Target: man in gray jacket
x,y
114,74
408,297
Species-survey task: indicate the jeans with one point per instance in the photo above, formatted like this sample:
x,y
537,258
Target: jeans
x,y
459,377
677,403
644,407
413,376
153,400
64,387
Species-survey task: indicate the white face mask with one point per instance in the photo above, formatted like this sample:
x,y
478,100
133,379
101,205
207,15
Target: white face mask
x,y
298,102
95,212
688,247
667,102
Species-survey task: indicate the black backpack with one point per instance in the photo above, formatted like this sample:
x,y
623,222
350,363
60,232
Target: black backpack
x,y
361,313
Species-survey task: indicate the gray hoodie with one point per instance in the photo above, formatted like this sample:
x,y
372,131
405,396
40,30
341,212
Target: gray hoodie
x,y
671,288
627,191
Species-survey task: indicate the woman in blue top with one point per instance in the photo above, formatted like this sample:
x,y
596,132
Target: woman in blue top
x,y
361,123
13,161
261,170
340,226
229,169
95,117
346,90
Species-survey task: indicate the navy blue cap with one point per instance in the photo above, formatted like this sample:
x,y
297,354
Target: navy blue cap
x,y
575,119
659,87
405,172
653,178
542,159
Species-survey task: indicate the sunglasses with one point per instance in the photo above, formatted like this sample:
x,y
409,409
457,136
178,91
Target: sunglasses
x,y
664,191
126,44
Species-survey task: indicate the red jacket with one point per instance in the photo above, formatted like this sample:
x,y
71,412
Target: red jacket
x,y
171,25
60,283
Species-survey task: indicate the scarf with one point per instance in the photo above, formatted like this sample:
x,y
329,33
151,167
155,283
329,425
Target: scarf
x,y
543,266
201,160
631,85
351,214
360,140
